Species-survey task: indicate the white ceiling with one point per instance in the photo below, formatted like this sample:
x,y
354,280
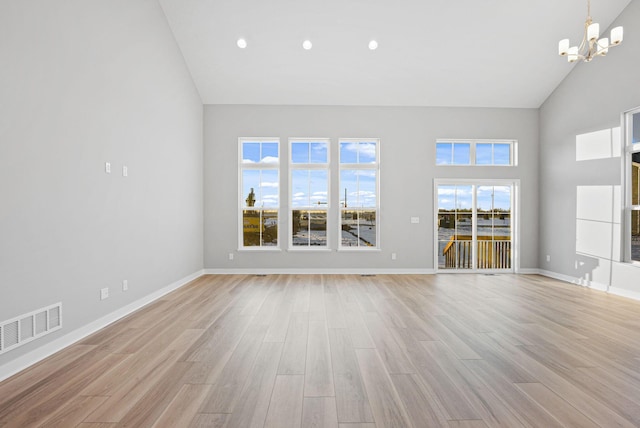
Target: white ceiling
x,y
480,53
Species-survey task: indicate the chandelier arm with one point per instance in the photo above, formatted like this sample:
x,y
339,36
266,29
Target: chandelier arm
x,y
585,42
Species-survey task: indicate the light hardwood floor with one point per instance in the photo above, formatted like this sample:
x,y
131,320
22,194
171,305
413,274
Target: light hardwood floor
x,y
348,351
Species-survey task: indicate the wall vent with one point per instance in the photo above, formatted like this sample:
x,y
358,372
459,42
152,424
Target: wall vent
x,y
25,328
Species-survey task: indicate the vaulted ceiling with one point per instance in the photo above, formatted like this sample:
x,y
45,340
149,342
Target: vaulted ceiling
x,y
489,53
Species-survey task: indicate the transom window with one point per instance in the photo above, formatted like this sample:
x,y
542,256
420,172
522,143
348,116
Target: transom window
x,y
359,202
475,152
259,192
309,195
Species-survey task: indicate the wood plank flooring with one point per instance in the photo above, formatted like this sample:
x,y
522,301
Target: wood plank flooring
x,y
346,351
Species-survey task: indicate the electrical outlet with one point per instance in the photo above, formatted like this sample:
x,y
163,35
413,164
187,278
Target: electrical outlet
x,y
125,285
415,220
104,293
394,256
230,256
107,167
548,258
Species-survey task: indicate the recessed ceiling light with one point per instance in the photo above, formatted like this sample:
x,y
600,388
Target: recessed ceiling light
x,y
242,43
373,45
307,44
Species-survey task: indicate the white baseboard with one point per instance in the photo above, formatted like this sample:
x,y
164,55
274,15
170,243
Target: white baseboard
x,y
624,293
27,360
573,280
312,271
594,285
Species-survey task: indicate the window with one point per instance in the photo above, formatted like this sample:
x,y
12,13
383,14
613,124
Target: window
x,y
309,196
632,170
259,192
475,153
493,153
359,202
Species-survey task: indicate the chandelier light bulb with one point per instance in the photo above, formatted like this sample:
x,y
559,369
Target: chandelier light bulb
x,y
242,43
603,46
373,45
616,36
563,47
307,44
573,54
593,32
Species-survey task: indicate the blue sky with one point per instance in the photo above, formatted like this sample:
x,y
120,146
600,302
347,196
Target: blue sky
x,y
265,152
265,184
309,152
309,188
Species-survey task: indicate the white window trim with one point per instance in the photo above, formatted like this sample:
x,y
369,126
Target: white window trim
x,y
513,152
515,221
356,166
309,166
628,148
258,166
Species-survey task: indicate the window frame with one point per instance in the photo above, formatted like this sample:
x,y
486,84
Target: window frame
x,y
359,166
258,166
629,148
473,143
310,166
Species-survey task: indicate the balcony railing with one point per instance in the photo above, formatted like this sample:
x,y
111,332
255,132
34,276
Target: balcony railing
x,y
491,253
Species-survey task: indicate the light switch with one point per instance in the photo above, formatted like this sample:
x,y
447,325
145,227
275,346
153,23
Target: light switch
x,y
125,171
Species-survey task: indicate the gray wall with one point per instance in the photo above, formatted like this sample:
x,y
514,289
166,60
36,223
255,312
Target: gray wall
x,y
580,166
407,155
82,83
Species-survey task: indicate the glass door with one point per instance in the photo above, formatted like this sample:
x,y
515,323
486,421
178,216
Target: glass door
x,y
455,227
474,226
494,227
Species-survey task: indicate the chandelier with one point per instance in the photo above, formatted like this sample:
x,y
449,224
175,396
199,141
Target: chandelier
x,y
591,46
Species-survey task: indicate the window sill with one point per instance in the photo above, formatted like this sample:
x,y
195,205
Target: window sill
x,y
359,250
309,250
260,249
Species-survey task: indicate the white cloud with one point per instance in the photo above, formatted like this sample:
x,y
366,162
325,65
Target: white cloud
x,y
269,159
368,149
352,147
269,184
452,191
319,147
